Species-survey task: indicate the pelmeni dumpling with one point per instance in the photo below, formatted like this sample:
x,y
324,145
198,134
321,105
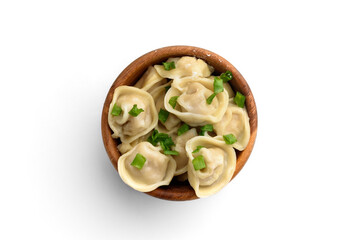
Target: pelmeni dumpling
x,y
185,67
172,122
191,106
157,170
126,126
235,121
150,80
182,159
220,161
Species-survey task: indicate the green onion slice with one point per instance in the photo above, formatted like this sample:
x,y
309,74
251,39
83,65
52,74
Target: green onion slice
x,y
153,138
135,111
210,98
229,139
239,99
164,139
169,152
138,161
169,65
116,110
173,100
206,128
218,88
218,85
199,162
183,129
163,115
226,76
197,149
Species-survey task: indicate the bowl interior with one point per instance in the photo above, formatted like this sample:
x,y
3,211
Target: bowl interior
x,y
178,190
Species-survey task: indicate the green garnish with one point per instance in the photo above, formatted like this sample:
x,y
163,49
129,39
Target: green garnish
x,y
218,85
183,129
226,76
210,98
229,139
153,138
169,65
161,136
164,139
169,152
138,161
197,149
173,100
167,143
239,99
218,88
116,110
199,162
167,88
163,115
135,111
206,128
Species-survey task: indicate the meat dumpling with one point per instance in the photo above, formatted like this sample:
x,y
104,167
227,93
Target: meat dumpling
x,y
191,106
150,80
185,67
217,163
157,170
235,121
123,124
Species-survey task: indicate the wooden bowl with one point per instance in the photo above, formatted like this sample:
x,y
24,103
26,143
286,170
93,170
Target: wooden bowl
x,y
178,191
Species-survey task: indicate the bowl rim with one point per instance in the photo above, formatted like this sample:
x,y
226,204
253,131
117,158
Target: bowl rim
x,y
181,191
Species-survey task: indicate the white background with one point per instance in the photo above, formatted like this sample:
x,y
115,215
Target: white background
x,y
59,58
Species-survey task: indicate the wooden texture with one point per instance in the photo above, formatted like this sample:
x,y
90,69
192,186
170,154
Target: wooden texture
x,y
178,191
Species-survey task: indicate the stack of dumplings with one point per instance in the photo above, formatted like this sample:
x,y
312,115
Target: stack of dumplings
x,y
179,121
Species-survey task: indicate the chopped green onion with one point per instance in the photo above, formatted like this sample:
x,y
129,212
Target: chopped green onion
x,y
206,128
161,136
163,115
135,111
218,88
169,65
173,100
226,76
153,138
239,99
138,161
199,162
167,88
218,85
229,139
165,140
210,98
197,149
169,142
183,129
116,110
169,152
